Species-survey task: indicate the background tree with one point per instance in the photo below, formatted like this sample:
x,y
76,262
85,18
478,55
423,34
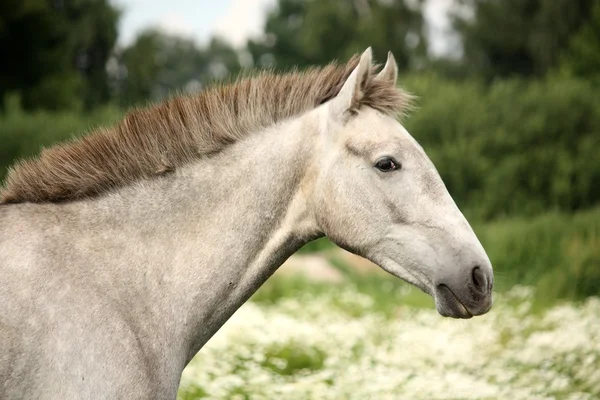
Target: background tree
x,y
518,37
157,64
305,32
583,55
54,52
93,34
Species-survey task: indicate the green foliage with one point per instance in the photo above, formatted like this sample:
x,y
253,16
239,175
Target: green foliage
x,y
505,38
191,392
54,53
315,245
583,56
513,148
305,32
140,61
379,292
557,253
290,357
158,64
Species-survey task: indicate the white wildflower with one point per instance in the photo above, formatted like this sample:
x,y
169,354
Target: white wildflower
x,y
337,347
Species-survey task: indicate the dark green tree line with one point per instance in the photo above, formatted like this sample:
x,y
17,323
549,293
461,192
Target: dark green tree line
x,y
157,64
54,52
308,32
503,38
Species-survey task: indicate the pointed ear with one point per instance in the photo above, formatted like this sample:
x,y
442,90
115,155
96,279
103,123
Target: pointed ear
x,y
389,73
351,93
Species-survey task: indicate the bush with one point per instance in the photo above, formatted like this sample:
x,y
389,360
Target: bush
x,y
557,253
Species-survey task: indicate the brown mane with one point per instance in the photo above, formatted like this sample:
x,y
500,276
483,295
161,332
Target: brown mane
x,y
154,140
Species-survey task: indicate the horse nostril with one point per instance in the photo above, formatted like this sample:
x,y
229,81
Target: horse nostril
x,y
480,280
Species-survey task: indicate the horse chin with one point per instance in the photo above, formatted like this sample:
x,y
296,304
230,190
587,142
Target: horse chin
x,y
448,305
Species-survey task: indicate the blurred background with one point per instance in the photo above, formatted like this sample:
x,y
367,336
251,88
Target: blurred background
x,y
508,111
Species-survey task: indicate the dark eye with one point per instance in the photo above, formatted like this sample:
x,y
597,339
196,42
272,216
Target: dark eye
x,y
387,164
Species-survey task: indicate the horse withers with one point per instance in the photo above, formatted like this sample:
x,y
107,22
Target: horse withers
x,y
124,251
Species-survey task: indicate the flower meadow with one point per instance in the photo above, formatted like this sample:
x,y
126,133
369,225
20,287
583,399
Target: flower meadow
x,y
338,345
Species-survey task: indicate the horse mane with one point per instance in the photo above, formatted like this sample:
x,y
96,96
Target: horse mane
x,y
155,140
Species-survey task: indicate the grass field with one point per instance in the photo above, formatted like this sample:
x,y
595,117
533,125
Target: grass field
x,y
297,340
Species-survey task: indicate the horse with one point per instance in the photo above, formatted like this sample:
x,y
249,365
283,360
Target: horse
x,y
124,250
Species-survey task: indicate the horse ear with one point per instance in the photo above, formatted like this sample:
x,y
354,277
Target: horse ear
x,y
389,73
351,93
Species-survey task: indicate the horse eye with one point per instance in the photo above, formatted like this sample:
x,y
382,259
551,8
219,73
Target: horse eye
x,y
387,165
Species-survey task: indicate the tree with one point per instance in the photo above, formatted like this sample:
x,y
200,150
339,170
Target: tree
x,y
583,56
517,37
93,32
305,32
54,52
157,64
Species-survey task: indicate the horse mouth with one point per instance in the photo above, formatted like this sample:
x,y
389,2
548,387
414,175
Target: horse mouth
x,y
448,304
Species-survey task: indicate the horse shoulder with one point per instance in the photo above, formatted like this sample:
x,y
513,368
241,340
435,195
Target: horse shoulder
x,y
60,337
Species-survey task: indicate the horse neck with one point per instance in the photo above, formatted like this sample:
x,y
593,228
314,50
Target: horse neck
x,y
188,249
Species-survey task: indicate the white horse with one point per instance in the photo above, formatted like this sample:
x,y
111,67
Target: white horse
x,y
123,252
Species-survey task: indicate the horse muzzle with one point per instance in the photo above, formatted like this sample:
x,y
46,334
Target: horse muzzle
x,y
465,296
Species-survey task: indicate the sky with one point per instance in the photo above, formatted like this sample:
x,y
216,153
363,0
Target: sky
x,y
235,20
